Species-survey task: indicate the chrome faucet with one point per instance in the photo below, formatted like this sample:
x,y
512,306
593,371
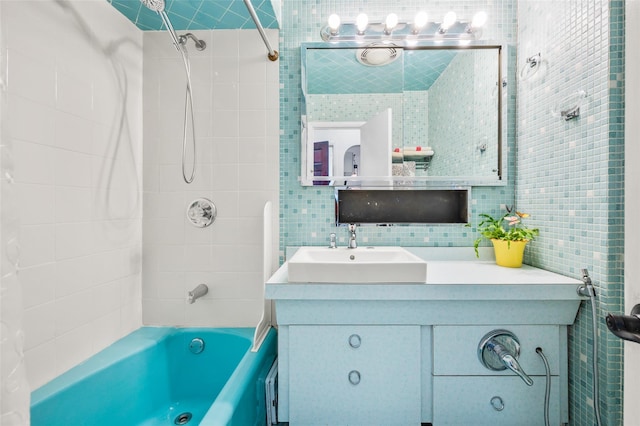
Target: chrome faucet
x,y
332,240
352,236
197,293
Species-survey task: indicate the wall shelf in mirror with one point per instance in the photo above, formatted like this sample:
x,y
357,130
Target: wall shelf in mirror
x,y
364,124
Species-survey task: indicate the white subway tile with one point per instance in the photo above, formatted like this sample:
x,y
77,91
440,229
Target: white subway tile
x,y
252,96
72,312
226,43
253,69
106,298
75,275
198,257
226,96
169,285
40,364
39,324
72,204
74,94
164,312
35,203
164,231
253,179
32,163
225,177
32,77
30,121
225,231
225,70
37,245
73,347
170,258
73,240
38,284
252,203
106,330
73,132
197,235
254,123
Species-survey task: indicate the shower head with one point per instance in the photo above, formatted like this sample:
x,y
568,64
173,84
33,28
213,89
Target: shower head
x,y
158,6
155,5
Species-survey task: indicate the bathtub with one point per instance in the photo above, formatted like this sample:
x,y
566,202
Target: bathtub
x,y
154,376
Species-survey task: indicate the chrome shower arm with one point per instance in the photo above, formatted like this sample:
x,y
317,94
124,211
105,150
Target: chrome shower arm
x,y
200,44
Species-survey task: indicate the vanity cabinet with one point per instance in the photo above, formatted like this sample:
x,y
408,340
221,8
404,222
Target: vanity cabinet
x,y
354,374
466,392
406,354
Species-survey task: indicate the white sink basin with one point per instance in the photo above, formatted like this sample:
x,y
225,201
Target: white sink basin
x,y
362,265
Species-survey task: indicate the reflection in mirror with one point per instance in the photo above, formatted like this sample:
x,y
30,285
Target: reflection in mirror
x,y
441,106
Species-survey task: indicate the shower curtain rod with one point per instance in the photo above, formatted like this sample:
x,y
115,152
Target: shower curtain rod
x,y
273,54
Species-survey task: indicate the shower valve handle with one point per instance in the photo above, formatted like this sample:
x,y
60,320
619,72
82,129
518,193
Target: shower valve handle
x,y
499,350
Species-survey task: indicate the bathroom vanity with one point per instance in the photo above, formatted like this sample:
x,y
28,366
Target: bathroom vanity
x,y
403,354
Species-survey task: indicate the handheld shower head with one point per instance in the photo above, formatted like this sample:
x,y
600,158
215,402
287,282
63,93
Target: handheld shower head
x,y
158,6
155,5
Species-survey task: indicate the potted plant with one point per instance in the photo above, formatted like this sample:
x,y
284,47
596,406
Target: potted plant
x,y
508,235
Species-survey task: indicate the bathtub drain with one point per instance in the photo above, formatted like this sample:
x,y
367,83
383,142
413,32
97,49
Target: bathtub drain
x,y
183,419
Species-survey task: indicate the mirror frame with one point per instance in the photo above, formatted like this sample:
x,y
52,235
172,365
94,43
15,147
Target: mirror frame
x,y
501,178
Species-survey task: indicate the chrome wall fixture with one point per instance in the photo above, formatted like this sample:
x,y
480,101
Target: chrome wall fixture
x,y
272,53
569,107
449,28
201,212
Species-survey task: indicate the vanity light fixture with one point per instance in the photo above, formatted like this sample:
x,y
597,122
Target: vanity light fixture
x,y
478,21
392,29
448,20
362,21
390,23
334,24
419,22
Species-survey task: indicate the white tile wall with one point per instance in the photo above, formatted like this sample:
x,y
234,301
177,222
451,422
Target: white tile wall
x,y
76,143
236,101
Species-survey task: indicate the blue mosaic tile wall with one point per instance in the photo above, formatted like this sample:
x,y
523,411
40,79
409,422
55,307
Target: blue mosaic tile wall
x,y
463,94
570,173
569,176
307,213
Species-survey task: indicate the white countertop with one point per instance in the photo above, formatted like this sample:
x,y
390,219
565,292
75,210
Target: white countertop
x,y
446,280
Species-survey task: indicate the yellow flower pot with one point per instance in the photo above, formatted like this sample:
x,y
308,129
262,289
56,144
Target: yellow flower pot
x,y
509,253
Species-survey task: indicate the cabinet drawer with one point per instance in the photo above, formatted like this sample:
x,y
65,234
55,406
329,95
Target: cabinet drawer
x,y
455,349
354,375
464,400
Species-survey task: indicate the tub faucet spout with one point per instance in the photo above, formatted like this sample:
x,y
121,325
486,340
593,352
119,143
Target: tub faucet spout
x,y
197,293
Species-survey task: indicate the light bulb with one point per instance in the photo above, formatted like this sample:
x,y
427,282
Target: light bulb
x,y
390,23
479,19
449,20
361,22
420,21
334,23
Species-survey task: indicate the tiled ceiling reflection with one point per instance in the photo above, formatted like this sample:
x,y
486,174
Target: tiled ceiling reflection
x,y
199,14
337,71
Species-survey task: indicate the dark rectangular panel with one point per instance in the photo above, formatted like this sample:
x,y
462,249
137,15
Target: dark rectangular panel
x,y
401,206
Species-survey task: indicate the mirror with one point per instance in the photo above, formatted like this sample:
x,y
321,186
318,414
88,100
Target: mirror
x,y
383,115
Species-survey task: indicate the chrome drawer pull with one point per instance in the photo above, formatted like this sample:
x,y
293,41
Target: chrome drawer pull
x,y
355,341
354,377
497,403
